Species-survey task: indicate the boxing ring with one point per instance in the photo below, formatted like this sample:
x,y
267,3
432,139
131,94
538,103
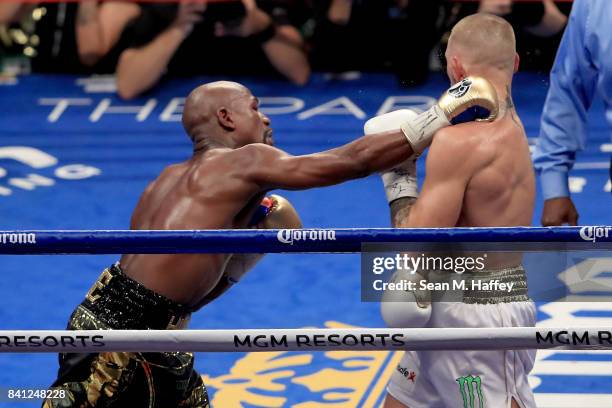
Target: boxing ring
x,y
91,171
587,238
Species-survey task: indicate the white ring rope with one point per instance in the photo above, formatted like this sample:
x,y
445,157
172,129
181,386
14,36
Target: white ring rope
x,y
512,338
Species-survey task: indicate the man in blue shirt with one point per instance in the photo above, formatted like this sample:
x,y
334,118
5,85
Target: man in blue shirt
x,y
582,68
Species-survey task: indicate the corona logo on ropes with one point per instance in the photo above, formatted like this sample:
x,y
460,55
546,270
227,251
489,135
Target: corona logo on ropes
x,y
592,233
288,236
333,379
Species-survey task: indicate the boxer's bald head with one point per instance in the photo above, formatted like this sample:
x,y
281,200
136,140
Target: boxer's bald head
x,y
479,44
224,113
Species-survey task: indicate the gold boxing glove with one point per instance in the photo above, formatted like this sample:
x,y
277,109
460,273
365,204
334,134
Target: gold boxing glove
x,y
274,212
472,99
280,214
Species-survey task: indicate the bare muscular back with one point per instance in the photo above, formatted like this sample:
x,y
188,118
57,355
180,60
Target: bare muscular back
x,y
501,191
478,175
205,192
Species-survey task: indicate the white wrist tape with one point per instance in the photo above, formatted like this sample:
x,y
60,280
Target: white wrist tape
x,y
401,181
420,130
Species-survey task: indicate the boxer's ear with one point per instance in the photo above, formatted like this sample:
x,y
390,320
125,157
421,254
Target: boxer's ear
x,y
456,72
517,63
226,121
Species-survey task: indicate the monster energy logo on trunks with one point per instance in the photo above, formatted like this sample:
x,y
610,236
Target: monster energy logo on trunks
x,y
466,386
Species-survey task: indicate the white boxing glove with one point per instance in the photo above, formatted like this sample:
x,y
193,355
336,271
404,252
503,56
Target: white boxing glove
x,y
406,308
400,181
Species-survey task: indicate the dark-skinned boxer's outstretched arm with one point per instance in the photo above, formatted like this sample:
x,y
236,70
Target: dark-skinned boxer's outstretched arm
x,y
271,168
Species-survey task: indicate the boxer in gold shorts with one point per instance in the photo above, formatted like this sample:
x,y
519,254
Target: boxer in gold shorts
x,y
222,186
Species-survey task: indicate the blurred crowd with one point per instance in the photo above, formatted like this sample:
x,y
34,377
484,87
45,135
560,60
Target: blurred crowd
x,y
144,43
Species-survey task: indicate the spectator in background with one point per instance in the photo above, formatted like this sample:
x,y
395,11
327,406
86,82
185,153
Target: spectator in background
x,y
362,35
99,28
46,35
13,12
223,38
582,69
13,58
542,18
538,25
71,37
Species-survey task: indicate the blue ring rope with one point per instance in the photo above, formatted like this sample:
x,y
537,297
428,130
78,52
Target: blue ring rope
x,y
267,241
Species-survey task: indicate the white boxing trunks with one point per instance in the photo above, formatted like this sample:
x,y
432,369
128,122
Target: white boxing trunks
x,y
471,379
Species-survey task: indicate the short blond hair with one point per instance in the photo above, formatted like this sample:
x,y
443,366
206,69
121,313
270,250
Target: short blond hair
x,y
484,39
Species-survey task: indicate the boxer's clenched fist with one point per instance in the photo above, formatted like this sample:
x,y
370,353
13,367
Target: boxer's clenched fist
x,y
473,98
276,212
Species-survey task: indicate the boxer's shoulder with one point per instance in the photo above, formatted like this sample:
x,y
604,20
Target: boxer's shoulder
x,y
244,163
463,145
464,136
259,153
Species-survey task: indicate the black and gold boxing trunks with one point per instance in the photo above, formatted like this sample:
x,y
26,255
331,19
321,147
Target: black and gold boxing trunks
x,y
127,379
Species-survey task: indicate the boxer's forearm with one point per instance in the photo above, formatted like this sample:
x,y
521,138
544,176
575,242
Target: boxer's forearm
x,y
237,266
366,155
270,168
141,68
400,211
377,152
222,287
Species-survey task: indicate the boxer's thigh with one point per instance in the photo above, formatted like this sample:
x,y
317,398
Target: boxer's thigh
x,y
520,362
487,378
94,379
174,379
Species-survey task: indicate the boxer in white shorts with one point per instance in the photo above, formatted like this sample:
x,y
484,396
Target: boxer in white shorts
x,y
477,175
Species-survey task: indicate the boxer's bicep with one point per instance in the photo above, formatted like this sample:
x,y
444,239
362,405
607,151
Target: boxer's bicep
x,y
447,175
438,206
